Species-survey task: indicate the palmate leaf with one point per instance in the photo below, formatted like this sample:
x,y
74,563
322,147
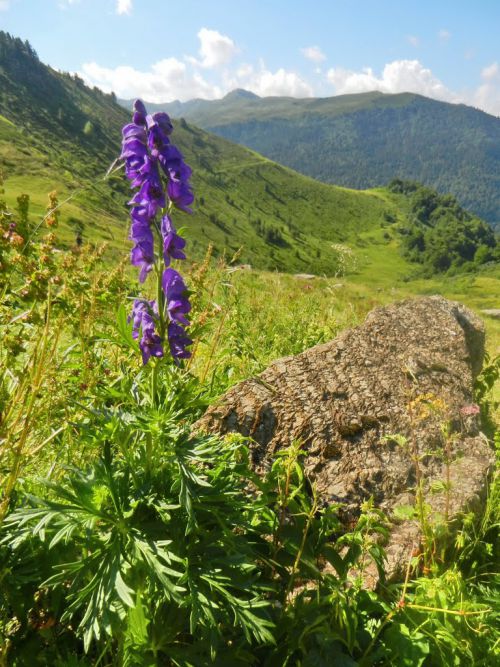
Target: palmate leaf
x,y
158,560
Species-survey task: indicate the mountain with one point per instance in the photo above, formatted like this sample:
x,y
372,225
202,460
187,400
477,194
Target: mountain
x,y
365,140
56,133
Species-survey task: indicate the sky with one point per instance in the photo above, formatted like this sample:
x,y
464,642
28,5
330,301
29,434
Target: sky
x,y
163,50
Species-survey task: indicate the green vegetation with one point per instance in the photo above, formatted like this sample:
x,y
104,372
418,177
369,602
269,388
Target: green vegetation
x,y
441,235
365,140
272,217
126,538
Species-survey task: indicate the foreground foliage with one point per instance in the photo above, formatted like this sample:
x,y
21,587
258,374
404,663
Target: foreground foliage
x,y
128,539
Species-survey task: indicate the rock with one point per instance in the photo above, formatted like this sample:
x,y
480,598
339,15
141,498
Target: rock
x,y
240,267
408,369
492,312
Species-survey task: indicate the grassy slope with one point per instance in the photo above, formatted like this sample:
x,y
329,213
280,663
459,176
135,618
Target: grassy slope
x,y
56,133
235,189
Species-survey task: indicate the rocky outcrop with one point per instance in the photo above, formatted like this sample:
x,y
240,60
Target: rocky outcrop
x,y
366,404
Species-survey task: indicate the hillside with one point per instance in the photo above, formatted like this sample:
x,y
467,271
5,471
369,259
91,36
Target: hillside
x,y
365,140
56,133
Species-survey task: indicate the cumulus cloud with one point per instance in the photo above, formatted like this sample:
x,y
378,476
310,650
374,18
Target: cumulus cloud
x,y
490,72
264,82
313,53
413,40
411,76
215,49
167,80
123,7
398,76
444,35
487,95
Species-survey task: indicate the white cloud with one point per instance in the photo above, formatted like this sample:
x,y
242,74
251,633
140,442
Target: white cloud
x,y
263,82
123,7
167,80
215,49
4,5
411,76
487,95
490,72
444,35
413,40
313,53
398,76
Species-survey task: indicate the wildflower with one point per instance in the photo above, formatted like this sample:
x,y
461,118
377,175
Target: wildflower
x,y
470,410
144,318
16,239
175,290
173,244
160,177
178,341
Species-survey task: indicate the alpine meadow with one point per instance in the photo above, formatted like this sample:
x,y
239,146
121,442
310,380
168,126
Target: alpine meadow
x,y
173,303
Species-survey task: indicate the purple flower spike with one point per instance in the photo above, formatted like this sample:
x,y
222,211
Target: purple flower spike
x,y
174,288
140,113
160,178
178,341
139,107
173,244
144,317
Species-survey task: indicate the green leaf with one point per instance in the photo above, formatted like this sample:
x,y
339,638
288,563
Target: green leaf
x,y
124,592
124,329
406,648
404,512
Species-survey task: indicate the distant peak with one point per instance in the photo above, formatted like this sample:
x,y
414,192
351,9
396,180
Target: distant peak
x,y
241,93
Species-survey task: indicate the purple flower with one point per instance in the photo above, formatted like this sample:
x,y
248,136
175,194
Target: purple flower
x,y
151,194
144,318
159,128
173,244
178,173
142,254
180,194
175,290
178,341
156,170
140,113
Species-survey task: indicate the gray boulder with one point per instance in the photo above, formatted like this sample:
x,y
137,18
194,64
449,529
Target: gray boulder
x,y
366,404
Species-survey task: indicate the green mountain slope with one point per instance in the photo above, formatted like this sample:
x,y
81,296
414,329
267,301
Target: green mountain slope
x,y
365,140
56,133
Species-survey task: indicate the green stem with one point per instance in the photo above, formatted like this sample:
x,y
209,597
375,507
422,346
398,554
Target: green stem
x,y
154,381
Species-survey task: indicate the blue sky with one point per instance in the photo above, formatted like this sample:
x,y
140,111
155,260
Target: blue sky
x,y
163,50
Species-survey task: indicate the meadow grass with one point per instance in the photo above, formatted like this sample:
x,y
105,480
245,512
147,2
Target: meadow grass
x,y
109,466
